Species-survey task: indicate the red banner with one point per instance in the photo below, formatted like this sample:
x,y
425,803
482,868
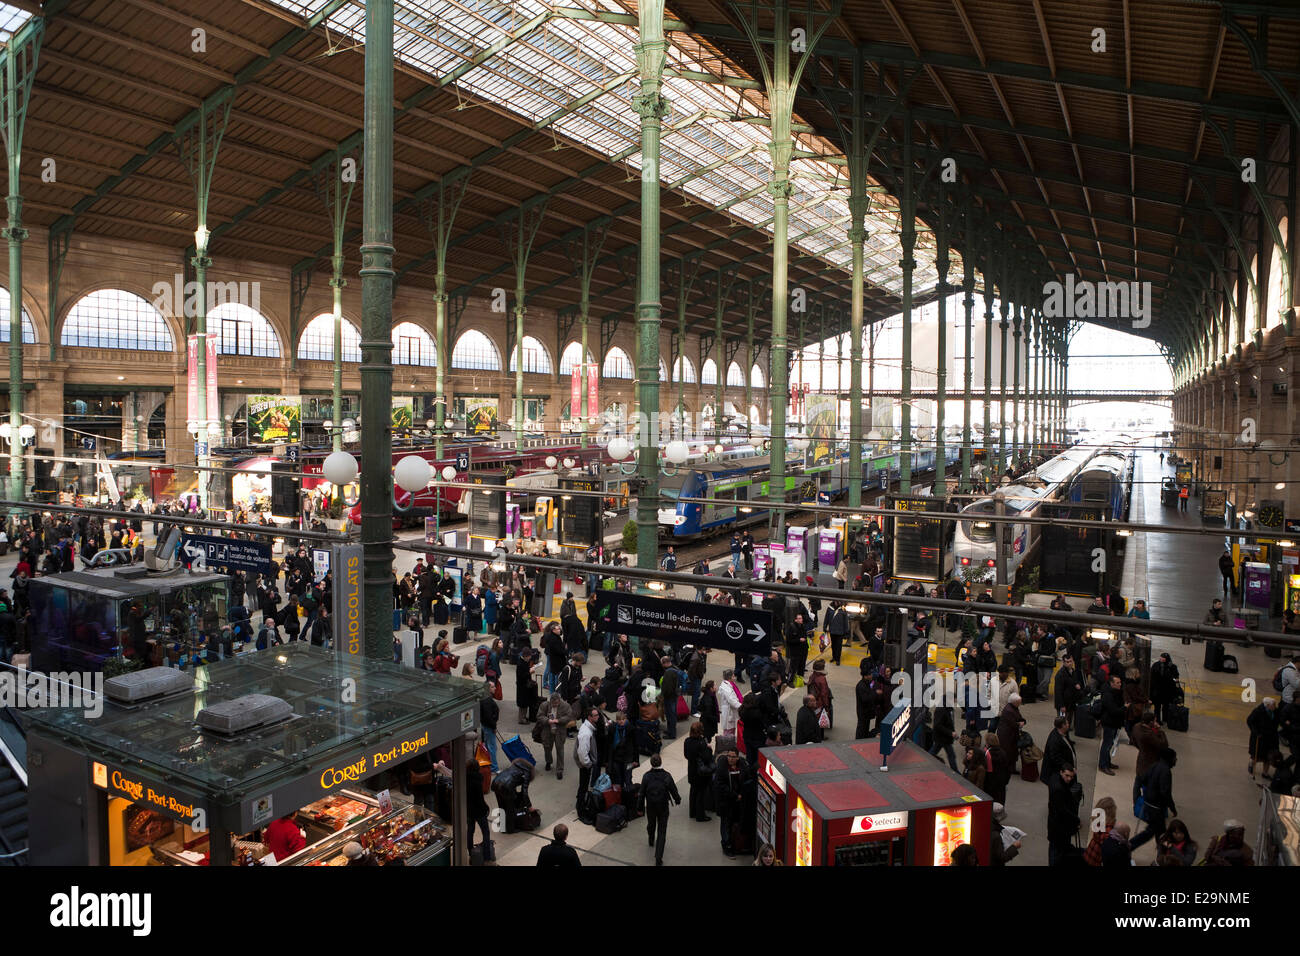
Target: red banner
x,y
192,358
575,394
214,409
593,395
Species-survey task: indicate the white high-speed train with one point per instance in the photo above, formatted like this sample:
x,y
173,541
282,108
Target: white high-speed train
x,y
974,541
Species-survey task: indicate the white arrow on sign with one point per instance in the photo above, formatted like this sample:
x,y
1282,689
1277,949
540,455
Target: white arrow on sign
x,y
198,556
758,633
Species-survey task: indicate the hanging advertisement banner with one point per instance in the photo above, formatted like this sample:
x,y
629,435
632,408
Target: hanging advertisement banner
x,y
403,413
593,390
274,418
822,417
480,414
192,367
882,416
213,409
575,394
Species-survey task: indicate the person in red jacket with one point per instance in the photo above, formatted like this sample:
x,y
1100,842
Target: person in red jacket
x,y
283,837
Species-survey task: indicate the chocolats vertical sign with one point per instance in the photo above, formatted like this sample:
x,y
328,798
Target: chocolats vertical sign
x,y
273,419
348,611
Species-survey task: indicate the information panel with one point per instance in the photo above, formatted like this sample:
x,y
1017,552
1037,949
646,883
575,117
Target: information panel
x,y
487,509
580,515
918,542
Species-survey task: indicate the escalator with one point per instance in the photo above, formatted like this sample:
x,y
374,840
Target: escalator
x,y
13,790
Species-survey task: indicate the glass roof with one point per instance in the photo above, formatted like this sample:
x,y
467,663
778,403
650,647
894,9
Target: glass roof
x,y
11,20
164,738
578,78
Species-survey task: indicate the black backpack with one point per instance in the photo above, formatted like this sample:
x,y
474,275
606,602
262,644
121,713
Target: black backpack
x,y
654,789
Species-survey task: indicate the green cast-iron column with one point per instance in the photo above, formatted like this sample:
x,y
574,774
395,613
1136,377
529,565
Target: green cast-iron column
x,y
1004,307
907,211
751,307
519,244
336,193
988,355
376,333
591,246
19,70
942,263
1017,323
651,107
968,304
721,351
440,216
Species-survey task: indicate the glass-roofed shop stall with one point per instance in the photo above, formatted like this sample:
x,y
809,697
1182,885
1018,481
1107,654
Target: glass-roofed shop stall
x,y
194,768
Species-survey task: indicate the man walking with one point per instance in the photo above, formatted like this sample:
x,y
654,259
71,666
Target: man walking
x,y
838,629
558,852
1068,690
1157,796
1111,720
657,788
670,686
1063,796
1227,570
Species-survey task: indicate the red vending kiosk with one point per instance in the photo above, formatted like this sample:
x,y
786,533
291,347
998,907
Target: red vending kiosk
x,y
833,805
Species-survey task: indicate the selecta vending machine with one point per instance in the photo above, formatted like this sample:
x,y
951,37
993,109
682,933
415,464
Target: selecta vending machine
x,y
835,804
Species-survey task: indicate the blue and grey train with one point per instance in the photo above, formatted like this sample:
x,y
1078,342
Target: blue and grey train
x,y
1106,481
746,480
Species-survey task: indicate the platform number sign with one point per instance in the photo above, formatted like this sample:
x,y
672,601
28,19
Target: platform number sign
x,y
462,461
291,453
88,443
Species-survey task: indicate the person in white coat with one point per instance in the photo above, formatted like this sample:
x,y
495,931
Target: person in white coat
x,y
584,753
728,705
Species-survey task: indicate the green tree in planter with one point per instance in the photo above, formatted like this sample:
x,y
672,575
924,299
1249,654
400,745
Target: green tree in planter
x,y
629,537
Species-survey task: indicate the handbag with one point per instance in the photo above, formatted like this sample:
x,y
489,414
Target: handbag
x,y
421,778
537,732
823,719
496,690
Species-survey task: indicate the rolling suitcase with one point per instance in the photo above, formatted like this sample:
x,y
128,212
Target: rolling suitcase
x,y
1085,725
631,796
1028,769
1177,717
460,636
1214,655
516,749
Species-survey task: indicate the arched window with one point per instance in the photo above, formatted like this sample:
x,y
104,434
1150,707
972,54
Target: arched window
x,y
754,417
570,357
29,330
756,374
683,370
1274,303
474,350
317,342
617,364
536,359
663,371
116,319
413,346
243,331
709,372
735,376
1252,298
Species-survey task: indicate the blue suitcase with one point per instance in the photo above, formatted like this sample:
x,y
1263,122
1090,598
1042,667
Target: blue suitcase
x,y
516,749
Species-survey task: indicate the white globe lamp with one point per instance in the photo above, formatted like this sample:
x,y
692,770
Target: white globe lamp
x,y
617,449
412,473
676,452
26,431
339,468
551,461
568,463
449,473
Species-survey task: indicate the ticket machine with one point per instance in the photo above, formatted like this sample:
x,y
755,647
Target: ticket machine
x,y
1257,584
830,545
544,515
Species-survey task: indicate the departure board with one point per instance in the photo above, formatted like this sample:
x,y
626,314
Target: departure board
x,y
1067,552
918,542
487,509
580,515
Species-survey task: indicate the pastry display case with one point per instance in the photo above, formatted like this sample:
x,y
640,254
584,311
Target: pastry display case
x,y
410,834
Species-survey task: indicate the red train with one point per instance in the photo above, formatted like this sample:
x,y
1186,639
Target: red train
x,y
483,456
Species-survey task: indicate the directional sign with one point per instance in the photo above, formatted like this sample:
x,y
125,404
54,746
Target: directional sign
x,y
685,622
895,727
462,461
205,552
